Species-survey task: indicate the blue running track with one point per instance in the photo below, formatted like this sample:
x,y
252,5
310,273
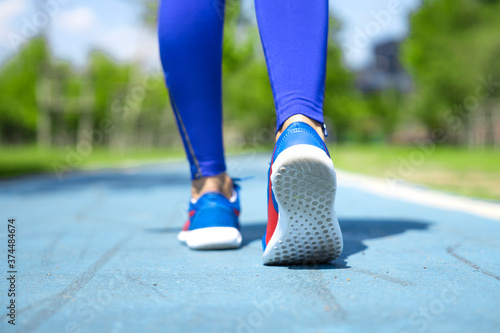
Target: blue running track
x,y
97,252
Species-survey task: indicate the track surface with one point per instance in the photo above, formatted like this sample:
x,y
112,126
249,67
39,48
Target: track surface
x,y
98,252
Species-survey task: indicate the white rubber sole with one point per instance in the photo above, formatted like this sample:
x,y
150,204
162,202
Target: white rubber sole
x,y
304,184
212,238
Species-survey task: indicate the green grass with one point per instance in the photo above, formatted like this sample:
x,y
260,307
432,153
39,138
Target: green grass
x,y
468,172
473,173
16,161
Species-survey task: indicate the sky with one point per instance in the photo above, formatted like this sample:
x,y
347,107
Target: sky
x,y
76,27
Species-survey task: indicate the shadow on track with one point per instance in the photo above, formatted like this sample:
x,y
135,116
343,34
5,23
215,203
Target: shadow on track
x,y
354,231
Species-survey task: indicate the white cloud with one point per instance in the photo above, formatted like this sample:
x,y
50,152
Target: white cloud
x,y
80,19
130,43
9,9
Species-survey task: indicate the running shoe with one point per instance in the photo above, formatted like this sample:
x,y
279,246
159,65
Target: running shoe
x,y
302,226
213,222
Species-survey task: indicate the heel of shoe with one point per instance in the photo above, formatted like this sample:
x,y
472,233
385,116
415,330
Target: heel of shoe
x,y
304,183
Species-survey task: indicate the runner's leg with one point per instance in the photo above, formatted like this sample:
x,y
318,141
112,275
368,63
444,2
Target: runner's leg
x,y
294,36
190,35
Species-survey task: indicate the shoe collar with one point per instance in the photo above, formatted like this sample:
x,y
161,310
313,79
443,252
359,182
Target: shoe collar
x,y
298,133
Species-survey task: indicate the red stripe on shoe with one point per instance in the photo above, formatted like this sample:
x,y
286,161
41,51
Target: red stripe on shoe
x,y
188,222
272,214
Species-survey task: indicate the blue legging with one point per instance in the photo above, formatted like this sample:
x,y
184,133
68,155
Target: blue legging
x,y
294,36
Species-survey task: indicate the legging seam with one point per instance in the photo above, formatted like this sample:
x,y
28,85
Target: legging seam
x,y
186,137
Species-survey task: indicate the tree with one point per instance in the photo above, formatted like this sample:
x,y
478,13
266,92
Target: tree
x,y
18,77
453,46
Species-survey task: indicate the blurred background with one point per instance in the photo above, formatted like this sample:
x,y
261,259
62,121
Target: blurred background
x,y
412,89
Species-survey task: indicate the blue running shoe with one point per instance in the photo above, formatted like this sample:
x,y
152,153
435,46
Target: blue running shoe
x,y
213,222
302,226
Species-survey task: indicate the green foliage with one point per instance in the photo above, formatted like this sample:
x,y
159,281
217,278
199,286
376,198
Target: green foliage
x,y
452,43
109,81
343,105
247,97
118,93
150,9
18,77
354,116
248,100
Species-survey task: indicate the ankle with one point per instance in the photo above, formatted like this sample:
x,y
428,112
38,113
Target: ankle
x,y
298,117
221,183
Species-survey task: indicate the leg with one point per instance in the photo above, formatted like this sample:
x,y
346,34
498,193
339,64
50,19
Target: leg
x,y
302,225
294,36
190,35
